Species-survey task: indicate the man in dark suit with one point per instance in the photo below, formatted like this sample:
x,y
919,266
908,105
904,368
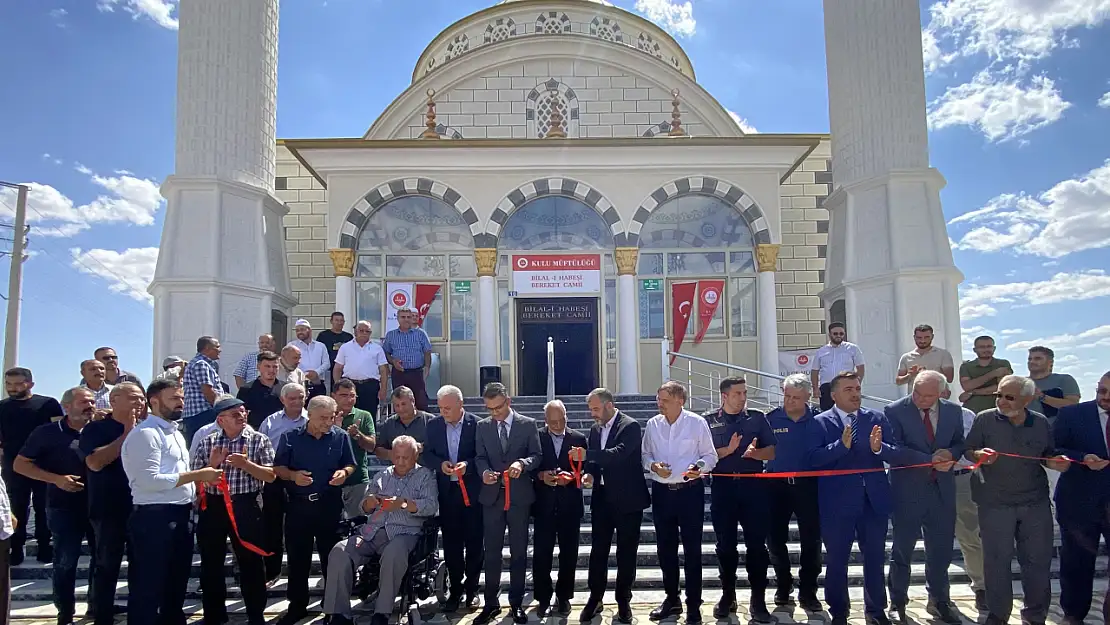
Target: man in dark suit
x,y
508,453
925,429
620,495
1082,432
558,511
450,450
853,507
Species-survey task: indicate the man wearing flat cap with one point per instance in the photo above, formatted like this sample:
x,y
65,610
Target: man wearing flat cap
x,y
315,361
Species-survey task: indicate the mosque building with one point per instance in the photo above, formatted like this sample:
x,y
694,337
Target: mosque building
x,y
555,170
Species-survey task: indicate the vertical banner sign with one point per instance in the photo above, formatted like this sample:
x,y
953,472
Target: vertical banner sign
x,y
397,295
709,297
423,297
682,307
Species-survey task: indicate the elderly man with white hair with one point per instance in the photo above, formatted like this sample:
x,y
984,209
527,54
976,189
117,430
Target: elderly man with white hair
x,y
926,429
399,499
291,417
1012,496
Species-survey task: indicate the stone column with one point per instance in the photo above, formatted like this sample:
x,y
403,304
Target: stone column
x,y
488,354
222,268
889,261
343,261
767,328
628,339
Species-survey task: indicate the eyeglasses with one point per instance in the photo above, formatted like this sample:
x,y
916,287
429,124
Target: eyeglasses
x,y
1006,397
109,357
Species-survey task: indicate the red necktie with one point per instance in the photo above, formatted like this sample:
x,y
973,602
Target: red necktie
x,y
931,436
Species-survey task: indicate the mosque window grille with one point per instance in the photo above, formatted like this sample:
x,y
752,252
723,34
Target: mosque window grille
x,y
541,102
604,28
458,46
500,30
553,23
645,43
548,104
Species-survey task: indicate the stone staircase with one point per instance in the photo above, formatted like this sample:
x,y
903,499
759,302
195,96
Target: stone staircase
x,y
31,590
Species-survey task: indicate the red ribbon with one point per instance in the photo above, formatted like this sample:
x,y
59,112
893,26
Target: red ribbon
x,y
225,490
505,478
462,487
576,468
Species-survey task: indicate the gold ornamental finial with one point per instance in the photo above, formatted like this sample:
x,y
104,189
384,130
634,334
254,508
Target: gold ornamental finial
x,y
676,117
555,130
430,131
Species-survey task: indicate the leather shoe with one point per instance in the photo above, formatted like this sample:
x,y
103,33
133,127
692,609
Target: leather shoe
x,y
543,610
518,614
878,619
15,556
810,603
562,606
451,605
487,615
592,608
783,598
670,607
757,610
724,607
898,615
693,615
943,611
472,602
45,554
624,613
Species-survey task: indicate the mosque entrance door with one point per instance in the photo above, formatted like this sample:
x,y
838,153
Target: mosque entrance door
x,y
571,322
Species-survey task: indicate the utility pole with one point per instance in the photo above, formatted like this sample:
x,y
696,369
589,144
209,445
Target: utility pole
x,y
15,277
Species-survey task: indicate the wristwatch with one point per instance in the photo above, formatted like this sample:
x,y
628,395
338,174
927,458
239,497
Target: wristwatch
x,y
405,505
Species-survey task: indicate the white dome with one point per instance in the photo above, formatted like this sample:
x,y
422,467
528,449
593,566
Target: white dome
x,y
608,4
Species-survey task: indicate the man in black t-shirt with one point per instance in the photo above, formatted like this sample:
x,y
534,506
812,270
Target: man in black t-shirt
x,y
109,492
262,396
333,338
20,414
51,456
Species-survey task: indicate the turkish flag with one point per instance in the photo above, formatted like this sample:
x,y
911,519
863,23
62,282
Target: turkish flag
x,y
682,308
422,298
709,297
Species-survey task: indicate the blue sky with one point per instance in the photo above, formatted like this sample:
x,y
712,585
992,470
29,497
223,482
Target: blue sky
x,y
1019,110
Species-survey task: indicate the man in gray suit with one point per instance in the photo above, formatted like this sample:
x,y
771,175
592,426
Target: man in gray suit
x,y
926,429
508,453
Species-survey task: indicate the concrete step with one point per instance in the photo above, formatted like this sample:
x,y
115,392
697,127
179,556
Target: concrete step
x,y
646,579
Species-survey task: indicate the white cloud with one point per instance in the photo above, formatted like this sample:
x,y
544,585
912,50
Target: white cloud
x,y
745,127
1104,101
1073,215
673,16
1006,31
1013,332
999,107
123,199
161,12
128,272
1095,337
982,300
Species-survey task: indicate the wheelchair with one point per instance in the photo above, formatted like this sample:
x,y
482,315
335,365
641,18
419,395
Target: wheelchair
x,y
426,575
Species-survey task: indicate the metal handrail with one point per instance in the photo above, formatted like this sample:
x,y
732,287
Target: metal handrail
x,y
550,369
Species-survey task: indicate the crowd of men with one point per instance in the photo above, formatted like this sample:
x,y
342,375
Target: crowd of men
x,y
275,469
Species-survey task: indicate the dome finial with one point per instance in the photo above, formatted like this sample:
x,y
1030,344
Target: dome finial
x,y
430,132
676,117
555,130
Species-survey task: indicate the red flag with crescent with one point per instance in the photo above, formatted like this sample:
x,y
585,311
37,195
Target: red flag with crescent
x,y
682,308
709,297
422,298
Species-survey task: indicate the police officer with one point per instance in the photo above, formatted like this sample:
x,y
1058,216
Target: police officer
x,y
313,461
743,440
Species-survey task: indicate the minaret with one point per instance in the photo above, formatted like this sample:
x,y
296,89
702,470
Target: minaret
x,y
221,266
890,261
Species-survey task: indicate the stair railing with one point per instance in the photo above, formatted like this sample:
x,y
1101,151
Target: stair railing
x,y
702,388
550,369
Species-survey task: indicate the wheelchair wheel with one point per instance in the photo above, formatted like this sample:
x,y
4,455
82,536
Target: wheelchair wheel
x,y
439,582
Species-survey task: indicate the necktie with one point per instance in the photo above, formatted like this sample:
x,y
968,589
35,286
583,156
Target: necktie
x,y
1108,438
504,435
855,430
930,435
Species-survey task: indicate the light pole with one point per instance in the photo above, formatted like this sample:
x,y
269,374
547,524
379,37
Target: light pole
x,y
15,277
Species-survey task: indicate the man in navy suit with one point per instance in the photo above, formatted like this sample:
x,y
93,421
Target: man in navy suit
x,y
851,437
450,451
925,429
1082,432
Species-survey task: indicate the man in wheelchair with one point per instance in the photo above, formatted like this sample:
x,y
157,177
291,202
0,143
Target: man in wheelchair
x,y
399,500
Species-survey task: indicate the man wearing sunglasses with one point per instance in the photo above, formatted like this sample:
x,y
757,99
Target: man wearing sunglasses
x,y
1083,498
1012,496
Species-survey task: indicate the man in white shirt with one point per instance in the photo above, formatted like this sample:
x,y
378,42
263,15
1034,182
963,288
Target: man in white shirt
x,y
832,359
678,451
156,461
315,361
363,362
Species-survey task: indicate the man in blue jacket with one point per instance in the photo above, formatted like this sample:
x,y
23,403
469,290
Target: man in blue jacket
x,y
853,507
1082,433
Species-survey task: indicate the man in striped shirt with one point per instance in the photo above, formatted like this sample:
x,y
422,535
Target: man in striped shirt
x,y
409,351
247,369
93,376
833,359
201,384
